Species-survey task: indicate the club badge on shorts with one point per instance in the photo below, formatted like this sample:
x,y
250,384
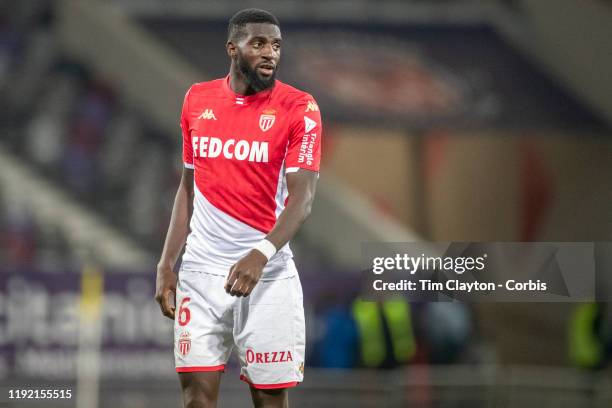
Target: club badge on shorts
x,y
185,343
266,120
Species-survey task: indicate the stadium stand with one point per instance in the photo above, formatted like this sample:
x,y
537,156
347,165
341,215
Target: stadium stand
x,y
81,132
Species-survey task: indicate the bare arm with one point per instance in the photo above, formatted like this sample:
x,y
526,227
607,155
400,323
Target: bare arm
x,y
245,274
175,240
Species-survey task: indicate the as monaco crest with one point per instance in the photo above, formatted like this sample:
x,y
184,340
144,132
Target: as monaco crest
x,y
266,120
185,343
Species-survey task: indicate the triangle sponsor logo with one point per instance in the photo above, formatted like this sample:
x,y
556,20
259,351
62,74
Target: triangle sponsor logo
x,y
309,124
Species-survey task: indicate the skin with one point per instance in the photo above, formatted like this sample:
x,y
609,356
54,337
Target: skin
x,y
176,237
260,47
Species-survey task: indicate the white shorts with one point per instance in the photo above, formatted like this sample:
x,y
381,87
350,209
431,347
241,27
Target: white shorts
x,y
267,328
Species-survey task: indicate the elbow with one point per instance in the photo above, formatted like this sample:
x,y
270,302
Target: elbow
x,y
307,208
306,212
300,206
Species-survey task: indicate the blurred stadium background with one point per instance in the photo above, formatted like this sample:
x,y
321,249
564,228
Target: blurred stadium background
x,y
447,120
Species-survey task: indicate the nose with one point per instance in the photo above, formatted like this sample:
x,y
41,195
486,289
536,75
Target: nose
x,y
267,51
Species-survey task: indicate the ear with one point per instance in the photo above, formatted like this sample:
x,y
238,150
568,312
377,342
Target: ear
x,y
230,47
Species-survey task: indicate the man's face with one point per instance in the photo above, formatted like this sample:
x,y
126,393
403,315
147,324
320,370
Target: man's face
x,y
258,54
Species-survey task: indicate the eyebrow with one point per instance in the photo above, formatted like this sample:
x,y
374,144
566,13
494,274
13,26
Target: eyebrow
x,y
261,37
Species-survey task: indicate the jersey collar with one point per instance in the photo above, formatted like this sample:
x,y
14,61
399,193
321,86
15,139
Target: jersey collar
x,y
245,99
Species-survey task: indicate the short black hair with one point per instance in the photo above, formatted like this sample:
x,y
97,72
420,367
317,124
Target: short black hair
x,y
235,28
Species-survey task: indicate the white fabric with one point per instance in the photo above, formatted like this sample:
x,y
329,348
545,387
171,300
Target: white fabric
x,y
266,247
267,327
217,241
281,192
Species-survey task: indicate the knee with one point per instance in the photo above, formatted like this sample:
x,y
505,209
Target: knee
x,y
198,399
200,390
199,395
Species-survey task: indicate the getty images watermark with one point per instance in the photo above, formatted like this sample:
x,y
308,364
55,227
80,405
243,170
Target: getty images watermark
x,y
493,272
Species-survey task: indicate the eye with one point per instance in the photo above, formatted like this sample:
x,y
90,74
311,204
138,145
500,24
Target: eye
x,y
276,46
257,44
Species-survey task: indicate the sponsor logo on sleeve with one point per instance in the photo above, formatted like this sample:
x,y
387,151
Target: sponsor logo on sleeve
x,y
309,124
306,154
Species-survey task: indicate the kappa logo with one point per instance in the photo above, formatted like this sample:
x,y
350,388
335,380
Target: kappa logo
x,y
185,343
309,124
266,120
312,107
208,114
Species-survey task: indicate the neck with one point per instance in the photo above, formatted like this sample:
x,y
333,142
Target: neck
x,y
238,82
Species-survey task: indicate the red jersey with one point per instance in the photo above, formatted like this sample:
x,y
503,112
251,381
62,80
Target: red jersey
x,y
241,148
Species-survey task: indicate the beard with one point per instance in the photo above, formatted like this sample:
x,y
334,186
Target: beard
x,y
253,79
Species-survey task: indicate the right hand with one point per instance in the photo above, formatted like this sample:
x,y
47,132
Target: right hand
x,y
164,288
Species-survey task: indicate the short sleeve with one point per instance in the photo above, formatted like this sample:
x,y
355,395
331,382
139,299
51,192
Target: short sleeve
x,y
305,131
187,146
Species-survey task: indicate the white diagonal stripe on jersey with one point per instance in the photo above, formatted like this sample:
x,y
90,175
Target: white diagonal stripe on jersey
x,y
281,191
218,240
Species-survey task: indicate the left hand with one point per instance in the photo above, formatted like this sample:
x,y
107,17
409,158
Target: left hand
x,y
245,274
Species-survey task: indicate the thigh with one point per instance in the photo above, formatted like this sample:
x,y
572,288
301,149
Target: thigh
x,y
269,335
203,323
200,389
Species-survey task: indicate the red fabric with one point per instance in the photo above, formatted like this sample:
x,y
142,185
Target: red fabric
x,y
269,386
238,144
200,369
